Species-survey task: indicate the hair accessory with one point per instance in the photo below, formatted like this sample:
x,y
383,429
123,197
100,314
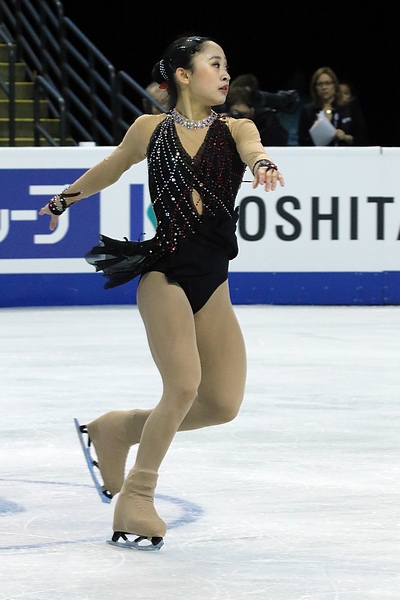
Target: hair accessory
x,y
163,71
58,204
181,120
265,163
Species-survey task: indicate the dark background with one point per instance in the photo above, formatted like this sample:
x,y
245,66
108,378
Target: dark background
x,y
359,40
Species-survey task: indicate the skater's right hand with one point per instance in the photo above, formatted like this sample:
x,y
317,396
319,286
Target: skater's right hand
x,y
45,210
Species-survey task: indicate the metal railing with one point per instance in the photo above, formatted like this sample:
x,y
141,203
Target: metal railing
x,y
127,85
95,98
41,85
88,85
9,87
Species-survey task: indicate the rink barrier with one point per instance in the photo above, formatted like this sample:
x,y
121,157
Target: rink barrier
x,y
331,236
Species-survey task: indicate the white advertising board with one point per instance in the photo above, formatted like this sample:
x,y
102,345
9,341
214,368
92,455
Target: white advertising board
x,y
339,212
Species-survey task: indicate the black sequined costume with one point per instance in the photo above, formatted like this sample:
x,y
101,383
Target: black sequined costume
x,y
192,249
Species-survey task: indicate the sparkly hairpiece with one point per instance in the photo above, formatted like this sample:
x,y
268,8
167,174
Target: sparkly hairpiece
x,y
163,71
190,40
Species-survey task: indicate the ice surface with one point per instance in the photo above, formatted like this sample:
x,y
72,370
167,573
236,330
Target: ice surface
x,y
297,499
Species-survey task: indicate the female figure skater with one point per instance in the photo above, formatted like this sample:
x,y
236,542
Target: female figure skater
x,y
196,161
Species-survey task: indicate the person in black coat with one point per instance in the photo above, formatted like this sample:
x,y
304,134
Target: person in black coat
x,y
346,117
240,104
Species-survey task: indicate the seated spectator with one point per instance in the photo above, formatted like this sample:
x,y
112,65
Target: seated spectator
x,y
160,95
348,91
346,117
240,104
296,81
285,101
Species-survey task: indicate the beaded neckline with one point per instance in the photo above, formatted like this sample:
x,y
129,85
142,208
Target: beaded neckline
x,y
181,120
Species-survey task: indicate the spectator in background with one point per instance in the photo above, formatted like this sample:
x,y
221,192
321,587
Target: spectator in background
x,y
240,105
346,117
348,91
285,101
290,120
159,94
349,94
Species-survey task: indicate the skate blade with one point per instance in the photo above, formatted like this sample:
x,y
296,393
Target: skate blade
x,y
140,543
105,496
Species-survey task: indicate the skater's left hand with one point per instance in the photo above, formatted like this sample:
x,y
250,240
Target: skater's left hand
x,y
268,177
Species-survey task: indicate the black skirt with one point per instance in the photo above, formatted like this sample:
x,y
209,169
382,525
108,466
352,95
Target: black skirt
x,y
199,265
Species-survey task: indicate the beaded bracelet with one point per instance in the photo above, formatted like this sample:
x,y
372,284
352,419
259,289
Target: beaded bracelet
x,y
58,204
265,163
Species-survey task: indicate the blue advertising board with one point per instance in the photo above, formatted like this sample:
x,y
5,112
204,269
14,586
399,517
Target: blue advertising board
x,y
320,240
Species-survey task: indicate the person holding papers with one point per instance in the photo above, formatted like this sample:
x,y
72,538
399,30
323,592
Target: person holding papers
x,y
328,120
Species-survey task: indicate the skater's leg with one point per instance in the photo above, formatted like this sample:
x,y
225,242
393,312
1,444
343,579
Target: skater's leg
x,y
171,333
223,364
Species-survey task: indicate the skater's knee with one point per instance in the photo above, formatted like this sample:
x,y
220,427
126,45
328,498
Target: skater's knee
x,y
182,394
223,410
225,414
